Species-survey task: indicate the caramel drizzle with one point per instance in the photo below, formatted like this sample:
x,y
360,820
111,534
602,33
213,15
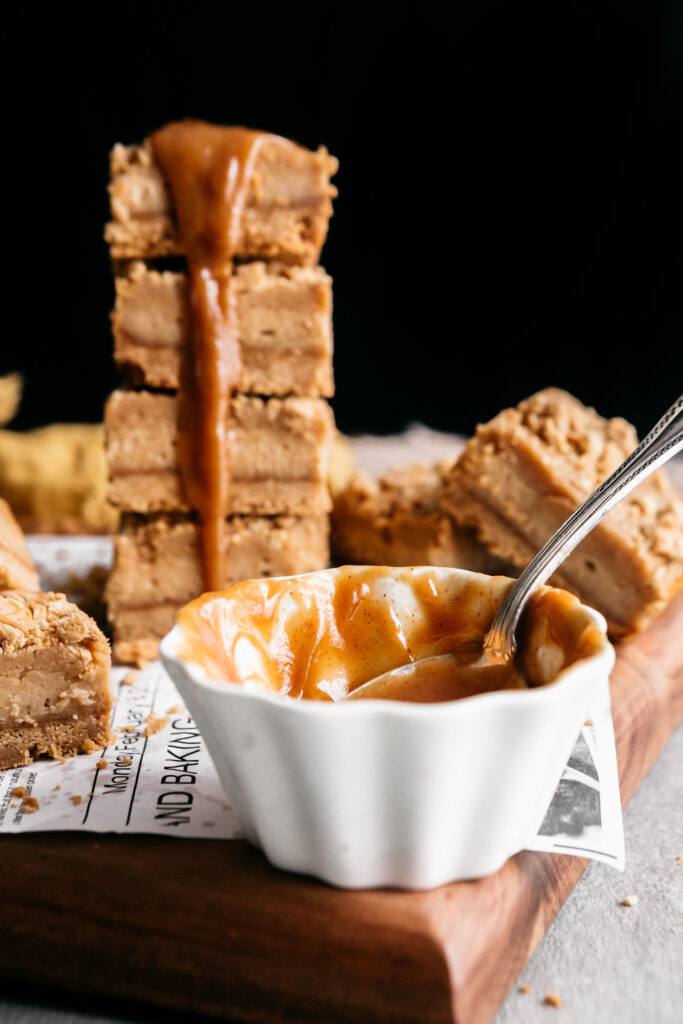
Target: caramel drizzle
x,y
209,169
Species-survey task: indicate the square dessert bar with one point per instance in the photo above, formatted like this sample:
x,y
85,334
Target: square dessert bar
x,y
157,568
289,203
283,322
280,450
529,468
17,571
397,519
55,687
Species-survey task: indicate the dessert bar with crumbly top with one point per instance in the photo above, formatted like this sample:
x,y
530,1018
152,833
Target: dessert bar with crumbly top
x,y
288,206
280,450
397,519
157,568
55,685
529,468
284,327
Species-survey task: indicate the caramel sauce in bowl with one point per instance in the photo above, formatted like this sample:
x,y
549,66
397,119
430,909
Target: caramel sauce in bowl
x,y
411,793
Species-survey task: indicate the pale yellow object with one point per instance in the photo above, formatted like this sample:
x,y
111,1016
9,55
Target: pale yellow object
x,y
55,478
11,387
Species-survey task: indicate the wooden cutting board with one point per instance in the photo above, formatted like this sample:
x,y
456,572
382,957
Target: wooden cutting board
x,y
211,927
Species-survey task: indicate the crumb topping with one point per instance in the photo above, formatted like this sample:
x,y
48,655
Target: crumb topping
x,y
37,620
155,723
403,490
553,999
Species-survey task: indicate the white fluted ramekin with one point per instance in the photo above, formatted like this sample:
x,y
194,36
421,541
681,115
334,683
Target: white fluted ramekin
x,y
381,793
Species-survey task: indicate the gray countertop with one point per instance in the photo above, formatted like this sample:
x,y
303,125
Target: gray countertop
x,y
609,962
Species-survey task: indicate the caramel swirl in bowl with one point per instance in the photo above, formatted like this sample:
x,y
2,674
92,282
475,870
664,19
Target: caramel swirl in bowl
x,y
322,635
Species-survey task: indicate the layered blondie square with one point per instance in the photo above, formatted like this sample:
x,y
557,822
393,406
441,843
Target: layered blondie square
x,y
284,323
55,687
158,568
398,519
287,210
530,467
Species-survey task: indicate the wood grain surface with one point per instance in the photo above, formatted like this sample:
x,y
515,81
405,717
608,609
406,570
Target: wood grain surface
x,y
210,927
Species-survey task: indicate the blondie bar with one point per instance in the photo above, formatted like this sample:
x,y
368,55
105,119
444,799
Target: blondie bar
x,y
55,686
280,449
529,468
157,568
398,520
288,205
283,323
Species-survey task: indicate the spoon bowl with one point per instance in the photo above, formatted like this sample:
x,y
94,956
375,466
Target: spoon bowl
x,y
441,678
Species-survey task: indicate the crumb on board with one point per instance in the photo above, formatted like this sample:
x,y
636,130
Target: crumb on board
x,y
20,792
553,999
589,721
125,760
101,764
126,728
75,800
174,710
525,989
16,805
679,858
57,787
155,723
130,678
630,901
30,805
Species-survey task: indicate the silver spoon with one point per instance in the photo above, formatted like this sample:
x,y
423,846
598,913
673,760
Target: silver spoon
x,y
499,645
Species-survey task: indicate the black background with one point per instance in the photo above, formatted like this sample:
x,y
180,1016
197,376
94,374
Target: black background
x,y
509,208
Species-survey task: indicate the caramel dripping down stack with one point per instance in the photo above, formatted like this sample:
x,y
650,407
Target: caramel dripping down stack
x,y
280,426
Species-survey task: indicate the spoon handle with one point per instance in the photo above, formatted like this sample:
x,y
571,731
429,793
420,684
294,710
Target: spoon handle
x,y
663,442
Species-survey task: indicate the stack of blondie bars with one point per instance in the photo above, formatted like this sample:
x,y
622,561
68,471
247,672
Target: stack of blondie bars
x,y
280,427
